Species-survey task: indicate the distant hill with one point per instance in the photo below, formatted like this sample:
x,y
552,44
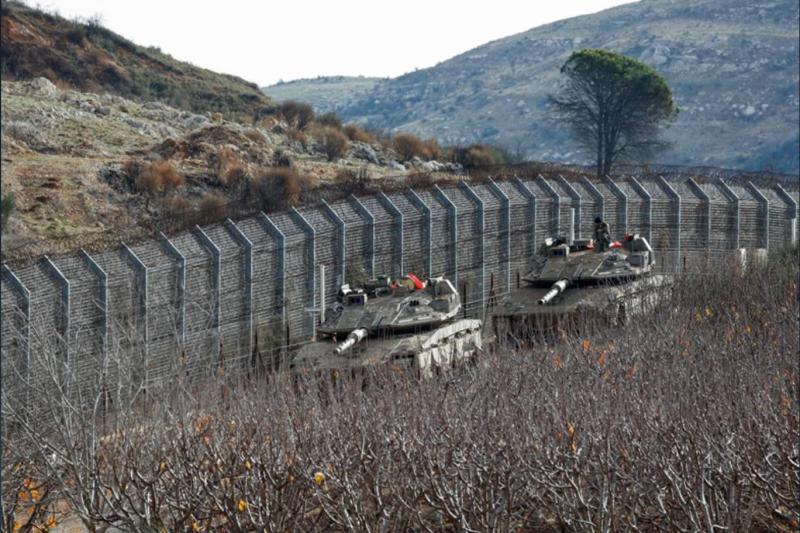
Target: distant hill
x,y
88,57
329,93
732,65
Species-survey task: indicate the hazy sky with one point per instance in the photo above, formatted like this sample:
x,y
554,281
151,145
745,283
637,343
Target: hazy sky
x,y
265,42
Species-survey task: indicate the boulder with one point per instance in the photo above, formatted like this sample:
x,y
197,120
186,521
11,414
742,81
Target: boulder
x,y
394,165
432,166
364,151
44,86
416,162
195,121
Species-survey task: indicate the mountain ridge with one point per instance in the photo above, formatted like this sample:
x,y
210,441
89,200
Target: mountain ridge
x,y
732,67
84,56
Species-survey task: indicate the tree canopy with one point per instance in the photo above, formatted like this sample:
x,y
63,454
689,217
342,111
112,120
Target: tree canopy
x,y
614,105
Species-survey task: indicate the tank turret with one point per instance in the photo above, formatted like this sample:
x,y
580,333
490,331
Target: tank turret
x,y
569,284
406,321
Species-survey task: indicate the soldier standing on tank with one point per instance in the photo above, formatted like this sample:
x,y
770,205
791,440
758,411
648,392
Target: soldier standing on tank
x,y
602,234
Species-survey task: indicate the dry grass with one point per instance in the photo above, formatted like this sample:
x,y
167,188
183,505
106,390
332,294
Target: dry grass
x,y
255,136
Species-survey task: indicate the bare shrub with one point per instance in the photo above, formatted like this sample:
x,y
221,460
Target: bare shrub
x,y
430,149
330,119
349,181
355,133
332,142
298,136
477,157
278,188
420,180
211,207
298,114
159,176
178,211
685,420
237,179
220,160
281,158
408,146
132,168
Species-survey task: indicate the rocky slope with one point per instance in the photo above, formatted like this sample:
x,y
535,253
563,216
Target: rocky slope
x,y
732,65
329,93
68,157
87,57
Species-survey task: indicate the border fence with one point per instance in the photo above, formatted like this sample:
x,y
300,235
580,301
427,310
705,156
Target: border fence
x,y
239,294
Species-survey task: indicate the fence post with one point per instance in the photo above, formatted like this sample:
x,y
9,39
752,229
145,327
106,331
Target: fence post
x,y
505,228
280,252
341,230
764,211
481,230
397,216
556,198
622,198
62,280
102,279
311,274
180,293
12,279
370,218
239,236
142,281
576,202
706,209
648,202
677,199
216,285
792,212
452,215
734,198
531,213
601,202
415,199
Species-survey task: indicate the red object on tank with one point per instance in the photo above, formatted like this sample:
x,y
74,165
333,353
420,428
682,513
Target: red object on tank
x,y
417,283
615,244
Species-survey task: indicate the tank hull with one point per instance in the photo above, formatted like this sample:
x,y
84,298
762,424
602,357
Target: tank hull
x,y
519,317
424,352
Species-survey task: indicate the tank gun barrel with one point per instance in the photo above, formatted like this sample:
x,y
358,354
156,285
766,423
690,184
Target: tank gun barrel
x,y
356,336
557,288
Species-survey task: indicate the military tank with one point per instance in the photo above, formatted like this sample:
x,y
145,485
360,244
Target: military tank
x,y
407,323
579,286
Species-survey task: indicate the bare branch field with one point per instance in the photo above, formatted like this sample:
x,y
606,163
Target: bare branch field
x,y
684,420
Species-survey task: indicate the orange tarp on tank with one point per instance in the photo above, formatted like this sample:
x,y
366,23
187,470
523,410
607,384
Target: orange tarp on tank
x,y
417,283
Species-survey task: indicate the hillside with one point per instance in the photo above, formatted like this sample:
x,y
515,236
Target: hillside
x,y
72,160
90,58
733,68
329,93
